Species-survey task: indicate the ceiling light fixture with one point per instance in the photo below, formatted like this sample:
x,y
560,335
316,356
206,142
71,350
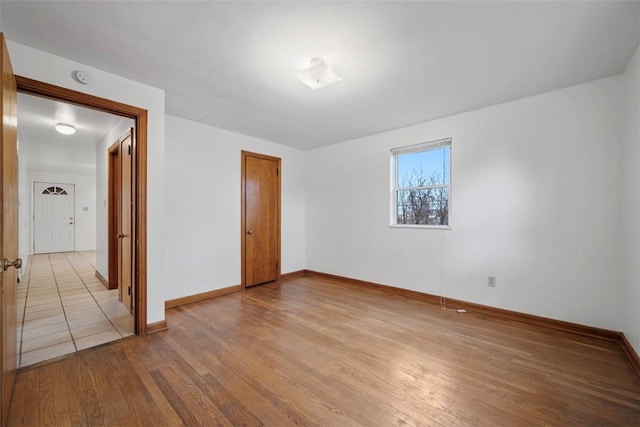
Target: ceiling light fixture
x,y
318,74
65,129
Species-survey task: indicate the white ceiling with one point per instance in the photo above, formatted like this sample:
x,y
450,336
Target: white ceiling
x,y
47,150
231,64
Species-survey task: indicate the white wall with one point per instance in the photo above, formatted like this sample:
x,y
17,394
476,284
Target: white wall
x,y
102,188
535,196
203,205
85,196
630,312
56,70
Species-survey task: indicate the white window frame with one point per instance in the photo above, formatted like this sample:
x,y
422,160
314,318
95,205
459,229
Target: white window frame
x,y
416,148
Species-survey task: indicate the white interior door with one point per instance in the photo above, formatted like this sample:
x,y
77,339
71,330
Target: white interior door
x,y
54,220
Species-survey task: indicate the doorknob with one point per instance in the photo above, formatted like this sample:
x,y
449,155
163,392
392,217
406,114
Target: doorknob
x,y
17,264
121,236
250,232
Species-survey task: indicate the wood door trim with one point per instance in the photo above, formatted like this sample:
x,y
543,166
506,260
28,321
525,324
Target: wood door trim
x,y
243,211
139,150
113,189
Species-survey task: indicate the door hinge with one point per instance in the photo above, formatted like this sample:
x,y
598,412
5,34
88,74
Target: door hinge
x,y
277,171
129,291
129,149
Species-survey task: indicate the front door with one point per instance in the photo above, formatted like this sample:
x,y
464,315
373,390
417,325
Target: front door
x,y
261,218
9,230
53,218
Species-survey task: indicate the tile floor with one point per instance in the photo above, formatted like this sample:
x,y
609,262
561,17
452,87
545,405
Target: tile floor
x,y
63,308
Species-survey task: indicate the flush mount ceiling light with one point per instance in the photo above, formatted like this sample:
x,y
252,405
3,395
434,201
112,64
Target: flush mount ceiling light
x,y
318,74
65,129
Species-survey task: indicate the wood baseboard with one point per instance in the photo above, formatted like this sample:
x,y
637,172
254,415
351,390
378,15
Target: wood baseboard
x,y
631,353
104,281
398,291
515,316
154,327
293,274
532,319
201,297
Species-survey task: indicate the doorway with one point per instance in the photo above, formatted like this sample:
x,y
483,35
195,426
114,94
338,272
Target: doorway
x,y
63,306
139,178
53,217
260,213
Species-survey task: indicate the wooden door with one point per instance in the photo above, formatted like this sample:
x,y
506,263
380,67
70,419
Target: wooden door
x,y
9,231
261,218
53,217
121,218
126,250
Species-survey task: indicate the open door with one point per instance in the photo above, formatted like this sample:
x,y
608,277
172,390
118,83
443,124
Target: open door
x,y
121,218
9,230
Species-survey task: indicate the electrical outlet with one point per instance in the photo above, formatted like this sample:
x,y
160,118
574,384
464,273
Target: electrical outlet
x,y
491,281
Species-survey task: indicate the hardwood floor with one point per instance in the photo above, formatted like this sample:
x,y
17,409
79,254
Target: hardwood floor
x,y
315,351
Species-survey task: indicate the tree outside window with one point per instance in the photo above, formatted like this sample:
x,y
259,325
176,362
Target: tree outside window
x,y
421,177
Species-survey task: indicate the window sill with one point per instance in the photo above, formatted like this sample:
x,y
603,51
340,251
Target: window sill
x,y
422,226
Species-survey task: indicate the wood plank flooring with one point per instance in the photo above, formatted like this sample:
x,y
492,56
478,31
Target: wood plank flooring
x,y
314,351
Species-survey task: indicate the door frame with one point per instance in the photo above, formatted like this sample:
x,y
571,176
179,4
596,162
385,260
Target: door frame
x,y
33,210
139,176
113,206
243,211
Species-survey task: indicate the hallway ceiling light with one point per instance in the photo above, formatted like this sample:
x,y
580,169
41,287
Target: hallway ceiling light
x,y
318,75
65,129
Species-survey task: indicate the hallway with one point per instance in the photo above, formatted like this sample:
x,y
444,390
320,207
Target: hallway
x,y
63,308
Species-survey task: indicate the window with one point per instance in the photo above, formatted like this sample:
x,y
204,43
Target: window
x,y
420,184
55,191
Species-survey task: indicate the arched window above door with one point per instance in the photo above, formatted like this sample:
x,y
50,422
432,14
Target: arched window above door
x,y
55,191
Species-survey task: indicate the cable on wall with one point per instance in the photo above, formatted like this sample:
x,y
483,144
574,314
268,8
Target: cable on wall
x,y
441,290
